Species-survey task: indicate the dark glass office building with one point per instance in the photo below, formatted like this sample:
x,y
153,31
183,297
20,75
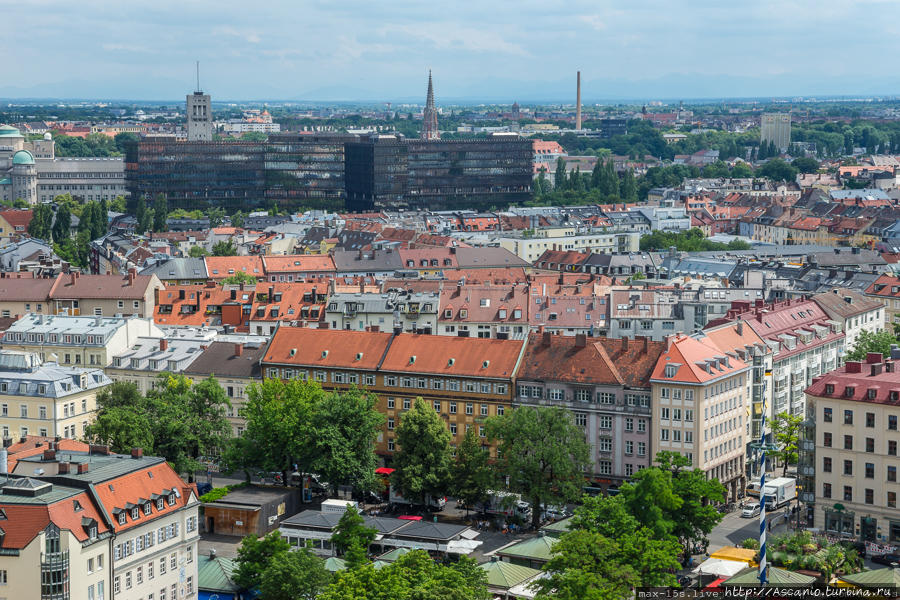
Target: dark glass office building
x,y
333,172
391,172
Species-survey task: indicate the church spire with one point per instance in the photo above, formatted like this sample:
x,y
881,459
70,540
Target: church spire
x,y
429,115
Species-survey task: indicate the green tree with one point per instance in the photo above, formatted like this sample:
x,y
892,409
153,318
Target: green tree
x,y
142,216
423,460
414,576
63,224
351,532
777,170
188,420
471,475
872,341
741,170
40,226
160,213
237,219
216,216
805,165
299,575
254,556
279,428
629,187
346,425
673,500
239,278
559,178
122,421
786,433
543,453
197,252
224,248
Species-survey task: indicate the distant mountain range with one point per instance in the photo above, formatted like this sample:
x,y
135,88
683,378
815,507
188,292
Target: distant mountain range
x,y
672,87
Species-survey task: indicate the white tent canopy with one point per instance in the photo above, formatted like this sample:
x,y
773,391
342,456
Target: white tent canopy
x,y
720,567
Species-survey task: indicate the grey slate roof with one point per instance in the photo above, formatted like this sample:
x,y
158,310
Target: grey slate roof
x,y
178,268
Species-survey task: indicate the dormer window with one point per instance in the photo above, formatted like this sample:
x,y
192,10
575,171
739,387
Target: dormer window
x,y
159,503
122,518
135,513
171,499
671,370
849,391
829,388
147,508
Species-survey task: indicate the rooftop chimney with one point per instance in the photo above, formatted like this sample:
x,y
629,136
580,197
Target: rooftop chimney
x,y
578,102
238,349
137,453
545,338
163,344
83,467
873,357
580,340
62,468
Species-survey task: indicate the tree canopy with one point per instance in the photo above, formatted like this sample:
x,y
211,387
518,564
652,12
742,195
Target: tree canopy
x,y
543,453
224,248
471,473
872,341
423,458
786,434
692,240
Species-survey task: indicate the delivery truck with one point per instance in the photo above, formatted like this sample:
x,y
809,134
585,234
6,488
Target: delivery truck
x,y
779,492
507,504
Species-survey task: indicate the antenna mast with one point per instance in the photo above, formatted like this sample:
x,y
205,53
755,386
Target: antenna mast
x,y
198,75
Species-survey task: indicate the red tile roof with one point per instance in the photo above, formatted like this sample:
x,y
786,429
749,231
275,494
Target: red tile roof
x,y
298,263
36,444
220,267
449,355
139,485
697,362
872,381
17,217
599,361
327,348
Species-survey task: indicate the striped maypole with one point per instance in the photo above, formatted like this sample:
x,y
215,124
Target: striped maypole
x,y
763,572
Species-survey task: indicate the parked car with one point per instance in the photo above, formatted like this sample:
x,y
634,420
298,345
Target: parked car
x,y
886,559
750,510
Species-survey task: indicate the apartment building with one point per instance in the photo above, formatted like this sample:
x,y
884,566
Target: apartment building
x,y
236,366
75,294
46,399
605,242
805,343
853,311
96,525
605,384
484,311
886,289
89,341
144,361
854,465
699,399
466,380
407,310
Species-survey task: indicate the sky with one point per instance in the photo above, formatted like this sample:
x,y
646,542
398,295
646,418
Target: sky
x,y
492,50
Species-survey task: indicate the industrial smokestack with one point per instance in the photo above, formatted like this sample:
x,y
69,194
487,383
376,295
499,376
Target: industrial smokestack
x,y
578,104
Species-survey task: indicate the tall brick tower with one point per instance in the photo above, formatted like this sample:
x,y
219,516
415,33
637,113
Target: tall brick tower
x,y
429,115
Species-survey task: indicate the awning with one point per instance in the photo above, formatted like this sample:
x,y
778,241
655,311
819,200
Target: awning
x,y
384,471
462,546
469,534
720,567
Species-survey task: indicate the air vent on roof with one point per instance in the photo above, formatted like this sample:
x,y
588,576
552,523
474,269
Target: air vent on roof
x,y
359,355
324,353
485,364
293,351
412,359
451,362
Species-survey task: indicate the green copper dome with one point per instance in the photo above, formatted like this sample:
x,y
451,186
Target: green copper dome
x,y
7,130
23,157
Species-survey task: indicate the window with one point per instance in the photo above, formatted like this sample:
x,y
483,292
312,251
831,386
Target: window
x,y
892,422
390,423
870,496
892,447
664,413
848,442
848,417
629,447
159,503
173,561
606,397
892,499
848,467
452,428
581,419
629,424
892,473
605,421
827,415
128,580
848,493
470,408
135,513
117,585
189,583
870,470
826,464
140,575
500,410
390,445
453,408
870,444
664,435
484,410
689,415
642,448
150,570
826,490
826,439
642,426
122,518
689,437
406,403
481,431
870,419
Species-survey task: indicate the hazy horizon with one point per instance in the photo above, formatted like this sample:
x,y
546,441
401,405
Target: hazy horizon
x,y
502,52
